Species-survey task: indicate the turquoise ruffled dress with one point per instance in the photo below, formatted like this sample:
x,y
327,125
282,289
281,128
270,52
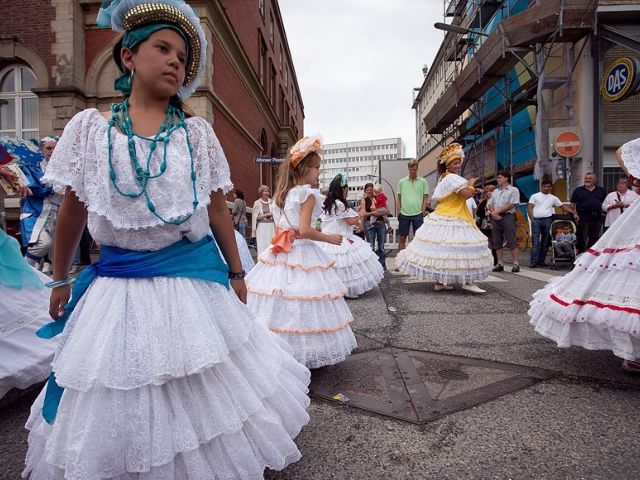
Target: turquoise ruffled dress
x,y
25,359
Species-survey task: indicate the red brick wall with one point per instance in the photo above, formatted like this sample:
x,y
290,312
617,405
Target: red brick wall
x,y
95,41
30,21
245,173
249,26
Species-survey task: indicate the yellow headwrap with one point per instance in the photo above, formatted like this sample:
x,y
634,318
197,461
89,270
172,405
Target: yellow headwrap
x,y
451,153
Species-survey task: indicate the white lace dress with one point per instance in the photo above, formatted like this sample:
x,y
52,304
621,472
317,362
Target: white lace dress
x,y
165,378
356,264
597,304
25,359
298,294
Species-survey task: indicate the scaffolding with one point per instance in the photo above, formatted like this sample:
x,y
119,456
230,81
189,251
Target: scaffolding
x,y
486,88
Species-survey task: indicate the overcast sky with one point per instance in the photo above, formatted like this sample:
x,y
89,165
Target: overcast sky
x,y
357,62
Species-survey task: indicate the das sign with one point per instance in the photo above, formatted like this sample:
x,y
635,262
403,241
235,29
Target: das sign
x,y
620,80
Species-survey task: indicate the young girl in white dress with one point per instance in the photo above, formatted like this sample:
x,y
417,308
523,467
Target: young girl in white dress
x,y
355,262
162,371
449,248
597,305
294,289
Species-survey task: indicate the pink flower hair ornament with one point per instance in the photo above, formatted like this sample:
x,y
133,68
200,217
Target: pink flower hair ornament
x,y
303,147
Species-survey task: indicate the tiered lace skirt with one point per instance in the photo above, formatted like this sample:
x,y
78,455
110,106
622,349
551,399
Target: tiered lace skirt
x,y
355,264
25,359
597,304
168,379
446,250
299,296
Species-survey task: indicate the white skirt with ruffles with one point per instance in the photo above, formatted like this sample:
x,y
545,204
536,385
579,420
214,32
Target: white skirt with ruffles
x,y
299,296
25,359
447,250
168,378
356,264
597,304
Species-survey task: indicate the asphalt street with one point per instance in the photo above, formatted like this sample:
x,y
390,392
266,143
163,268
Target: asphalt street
x,y
581,424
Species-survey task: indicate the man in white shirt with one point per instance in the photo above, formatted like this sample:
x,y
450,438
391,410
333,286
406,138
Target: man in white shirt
x,y
502,207
617,202
540,210
472,206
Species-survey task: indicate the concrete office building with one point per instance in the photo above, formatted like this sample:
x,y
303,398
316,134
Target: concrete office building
x,y
360,161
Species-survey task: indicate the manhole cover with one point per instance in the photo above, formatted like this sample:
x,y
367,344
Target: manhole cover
x,y
419,386
453,374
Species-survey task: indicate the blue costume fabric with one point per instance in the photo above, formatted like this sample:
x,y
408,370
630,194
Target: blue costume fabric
x,y
14,271
199,260
29,157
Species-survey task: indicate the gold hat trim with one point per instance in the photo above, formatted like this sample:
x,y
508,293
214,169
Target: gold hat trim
x,y
150,13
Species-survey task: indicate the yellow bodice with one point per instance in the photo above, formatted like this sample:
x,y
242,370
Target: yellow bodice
x,y
455,205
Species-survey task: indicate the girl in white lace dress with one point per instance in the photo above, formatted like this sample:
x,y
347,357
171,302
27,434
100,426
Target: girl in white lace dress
x,y
162,372
597,305
294,289
356,263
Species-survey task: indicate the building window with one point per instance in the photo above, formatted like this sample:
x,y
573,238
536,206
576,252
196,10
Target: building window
x,y
281,106
262,67
610,177
272,84
286,77
18,106
261,7
280,55
271,26
263,142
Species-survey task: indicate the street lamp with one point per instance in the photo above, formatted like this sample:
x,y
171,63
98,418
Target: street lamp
x,y
458,29
395,204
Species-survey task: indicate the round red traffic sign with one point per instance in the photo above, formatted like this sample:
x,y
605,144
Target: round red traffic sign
x,y
568,144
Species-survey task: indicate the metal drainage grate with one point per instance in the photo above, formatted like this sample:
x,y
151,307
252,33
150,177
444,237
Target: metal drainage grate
x,y
419,386
453,374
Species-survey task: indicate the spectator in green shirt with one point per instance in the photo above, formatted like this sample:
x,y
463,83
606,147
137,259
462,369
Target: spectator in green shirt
x,y
413,201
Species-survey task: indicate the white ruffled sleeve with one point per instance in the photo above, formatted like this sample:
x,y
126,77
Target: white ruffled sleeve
x,y
211,163
451,183
631,157
302,193
68,163
342,211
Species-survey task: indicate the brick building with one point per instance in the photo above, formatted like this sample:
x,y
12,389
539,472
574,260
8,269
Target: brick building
x,y
55,61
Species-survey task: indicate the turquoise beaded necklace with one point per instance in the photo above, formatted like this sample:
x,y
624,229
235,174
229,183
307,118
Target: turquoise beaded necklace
x,y
120,118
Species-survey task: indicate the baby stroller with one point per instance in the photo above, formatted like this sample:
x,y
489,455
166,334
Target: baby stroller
x,y
565,256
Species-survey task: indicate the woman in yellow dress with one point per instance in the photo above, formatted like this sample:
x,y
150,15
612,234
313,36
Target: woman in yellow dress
x,y
449,248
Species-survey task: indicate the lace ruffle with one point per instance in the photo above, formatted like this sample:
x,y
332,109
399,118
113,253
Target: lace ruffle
x,y
631,157
449,184
201,426
446,250
158,328
80,161
356,264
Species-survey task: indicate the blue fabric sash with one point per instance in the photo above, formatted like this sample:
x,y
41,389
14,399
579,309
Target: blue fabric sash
x,y
199,260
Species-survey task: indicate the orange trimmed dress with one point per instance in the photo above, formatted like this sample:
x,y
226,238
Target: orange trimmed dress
x,y
296,292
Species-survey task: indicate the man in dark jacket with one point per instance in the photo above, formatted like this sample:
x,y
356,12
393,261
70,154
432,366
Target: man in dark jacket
x,y
587,203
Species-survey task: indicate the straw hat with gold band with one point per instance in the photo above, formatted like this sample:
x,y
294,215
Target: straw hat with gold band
x,y
140,18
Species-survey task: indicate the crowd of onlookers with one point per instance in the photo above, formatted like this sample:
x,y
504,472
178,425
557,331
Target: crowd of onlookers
x,y
589,212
